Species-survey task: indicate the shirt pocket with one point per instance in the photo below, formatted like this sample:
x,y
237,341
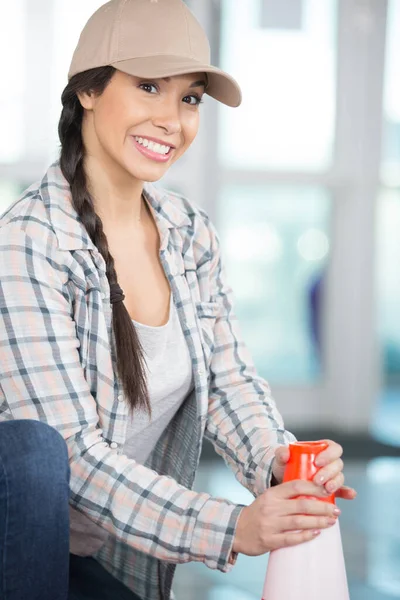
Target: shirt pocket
x,y
207,313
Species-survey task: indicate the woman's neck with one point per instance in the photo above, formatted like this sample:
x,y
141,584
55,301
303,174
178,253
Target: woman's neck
x,y
117,196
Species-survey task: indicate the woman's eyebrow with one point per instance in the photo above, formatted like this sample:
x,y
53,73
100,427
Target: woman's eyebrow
x,y
198,83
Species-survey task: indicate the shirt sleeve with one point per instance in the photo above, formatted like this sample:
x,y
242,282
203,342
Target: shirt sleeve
x,y
243,422
41,378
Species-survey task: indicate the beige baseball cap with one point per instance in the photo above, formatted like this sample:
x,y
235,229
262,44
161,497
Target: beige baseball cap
x,y
151,38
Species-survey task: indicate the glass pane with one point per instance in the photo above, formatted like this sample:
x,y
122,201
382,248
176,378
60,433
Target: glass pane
x,y
383,542
386,422
12,38
9,193
391,118
287,118
69,19
276,245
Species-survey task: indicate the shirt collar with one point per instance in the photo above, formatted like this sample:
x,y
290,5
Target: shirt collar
x,y
72,235
166,207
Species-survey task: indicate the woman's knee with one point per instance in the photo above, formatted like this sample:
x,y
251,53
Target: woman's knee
x,y
36,444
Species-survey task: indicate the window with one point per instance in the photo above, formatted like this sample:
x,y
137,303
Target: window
x,y
275,229
390,168
287,118
9,192
276,244
386,424
12,25
69,19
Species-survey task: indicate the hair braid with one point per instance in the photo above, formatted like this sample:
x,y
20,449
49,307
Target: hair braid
x,y
130,359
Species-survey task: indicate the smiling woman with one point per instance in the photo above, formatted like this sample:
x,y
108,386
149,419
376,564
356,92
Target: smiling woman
x,y
118,330
130,109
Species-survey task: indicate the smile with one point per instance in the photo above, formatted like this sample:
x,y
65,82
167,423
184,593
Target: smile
x,y
152,150
153,146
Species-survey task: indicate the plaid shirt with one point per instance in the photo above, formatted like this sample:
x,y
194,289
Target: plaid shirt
x,y
57,356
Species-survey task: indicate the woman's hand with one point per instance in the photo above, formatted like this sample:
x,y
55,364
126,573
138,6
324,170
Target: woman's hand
x,y
278,518
330,474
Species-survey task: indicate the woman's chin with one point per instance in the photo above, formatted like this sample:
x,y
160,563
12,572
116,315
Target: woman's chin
x,y
150,173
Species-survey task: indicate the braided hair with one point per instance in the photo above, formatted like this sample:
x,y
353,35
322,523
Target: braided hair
x,y
130,359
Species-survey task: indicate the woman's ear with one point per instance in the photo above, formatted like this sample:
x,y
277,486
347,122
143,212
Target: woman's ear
x,y
86,99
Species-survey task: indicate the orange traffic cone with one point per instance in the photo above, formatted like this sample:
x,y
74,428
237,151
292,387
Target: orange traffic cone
x,y
315,569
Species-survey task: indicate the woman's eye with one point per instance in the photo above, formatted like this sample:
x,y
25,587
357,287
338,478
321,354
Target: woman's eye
x,y
150,88
193,100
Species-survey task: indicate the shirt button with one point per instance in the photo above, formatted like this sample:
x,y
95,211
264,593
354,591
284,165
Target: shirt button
x,y
120,397
200,371
113,445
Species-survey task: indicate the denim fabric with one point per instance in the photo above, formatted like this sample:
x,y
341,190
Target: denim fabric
x,y
35,563
34,515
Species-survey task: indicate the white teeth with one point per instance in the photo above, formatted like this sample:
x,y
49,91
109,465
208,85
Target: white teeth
x,y
153,146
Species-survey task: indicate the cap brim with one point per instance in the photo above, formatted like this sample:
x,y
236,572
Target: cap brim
x,y
221,86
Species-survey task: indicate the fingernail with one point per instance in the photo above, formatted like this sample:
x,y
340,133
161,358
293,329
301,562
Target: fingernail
x,y
337,511
316,532
321,479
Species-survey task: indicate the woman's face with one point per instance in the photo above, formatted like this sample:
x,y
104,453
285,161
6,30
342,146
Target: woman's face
x,y
142,126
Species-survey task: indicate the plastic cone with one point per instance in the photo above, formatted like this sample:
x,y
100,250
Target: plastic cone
x,y
314,570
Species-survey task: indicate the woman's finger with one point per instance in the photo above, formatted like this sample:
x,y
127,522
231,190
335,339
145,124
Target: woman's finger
x,y
298,487
302,522
334,484
329,472
331,453
308,506
346,493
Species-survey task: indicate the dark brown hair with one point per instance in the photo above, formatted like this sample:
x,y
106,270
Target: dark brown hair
x,y
130,359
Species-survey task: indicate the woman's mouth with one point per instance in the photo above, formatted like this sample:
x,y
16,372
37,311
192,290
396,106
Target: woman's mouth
x,y
151,149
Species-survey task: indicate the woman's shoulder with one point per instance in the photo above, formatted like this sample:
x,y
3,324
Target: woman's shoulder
x,y
27,216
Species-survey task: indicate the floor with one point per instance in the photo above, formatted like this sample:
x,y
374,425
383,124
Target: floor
x,y
370,528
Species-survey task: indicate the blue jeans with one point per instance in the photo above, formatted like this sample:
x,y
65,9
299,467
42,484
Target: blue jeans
x,y
35,563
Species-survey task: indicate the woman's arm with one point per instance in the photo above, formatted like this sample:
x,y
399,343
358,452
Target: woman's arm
x,y
243,422
41,378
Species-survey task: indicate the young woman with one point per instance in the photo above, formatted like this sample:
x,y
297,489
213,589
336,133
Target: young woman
x,y
119,345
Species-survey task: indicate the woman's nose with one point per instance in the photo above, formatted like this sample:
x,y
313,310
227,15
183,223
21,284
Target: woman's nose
x,y
168,118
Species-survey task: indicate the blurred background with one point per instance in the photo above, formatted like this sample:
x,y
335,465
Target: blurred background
x,y
303,184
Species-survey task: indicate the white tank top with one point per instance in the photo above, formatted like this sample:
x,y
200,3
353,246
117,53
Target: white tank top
x,y
169,380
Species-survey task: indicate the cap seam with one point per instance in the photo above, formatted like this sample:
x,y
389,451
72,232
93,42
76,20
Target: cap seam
x,y
187,29
117,26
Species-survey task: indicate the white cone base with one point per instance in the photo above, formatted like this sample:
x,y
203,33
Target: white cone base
x,y
314,570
